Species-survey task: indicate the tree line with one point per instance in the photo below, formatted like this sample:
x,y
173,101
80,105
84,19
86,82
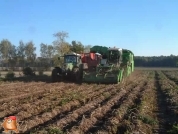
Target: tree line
x,y
156,61
24,54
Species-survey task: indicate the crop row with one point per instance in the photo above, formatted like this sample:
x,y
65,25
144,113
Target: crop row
x,y
90,108
168,92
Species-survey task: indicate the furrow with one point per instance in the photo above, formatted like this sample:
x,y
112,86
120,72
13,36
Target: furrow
x,y
96,116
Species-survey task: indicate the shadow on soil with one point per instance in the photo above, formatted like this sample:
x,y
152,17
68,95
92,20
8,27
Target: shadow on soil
x,y
47,79
42,78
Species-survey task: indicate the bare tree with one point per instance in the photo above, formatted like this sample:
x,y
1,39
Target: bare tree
x,y
30,52
44,50
87,48
21,53
60,44
47,52
5,48
13,56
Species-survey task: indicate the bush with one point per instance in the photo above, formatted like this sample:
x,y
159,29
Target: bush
x,y
10,75
28,71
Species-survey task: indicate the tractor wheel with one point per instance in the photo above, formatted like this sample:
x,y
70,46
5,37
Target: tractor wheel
x,y
77,75
55,76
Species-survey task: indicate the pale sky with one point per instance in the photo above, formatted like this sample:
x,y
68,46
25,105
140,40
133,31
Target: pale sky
x,y
146,27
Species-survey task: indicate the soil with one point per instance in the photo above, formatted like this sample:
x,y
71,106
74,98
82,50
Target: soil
x,y
145,102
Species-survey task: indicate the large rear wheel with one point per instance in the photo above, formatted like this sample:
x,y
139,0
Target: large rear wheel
x,y
77,77
56,75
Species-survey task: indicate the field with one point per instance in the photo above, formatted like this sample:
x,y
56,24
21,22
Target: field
x,y
144,103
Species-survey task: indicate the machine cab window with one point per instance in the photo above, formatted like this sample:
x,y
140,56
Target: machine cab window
x,y
114,55
70,59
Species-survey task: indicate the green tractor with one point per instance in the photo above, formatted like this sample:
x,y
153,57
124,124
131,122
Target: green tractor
x,y
71,69
115,65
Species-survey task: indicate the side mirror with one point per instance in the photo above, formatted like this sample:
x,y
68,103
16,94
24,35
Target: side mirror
x,y
58,58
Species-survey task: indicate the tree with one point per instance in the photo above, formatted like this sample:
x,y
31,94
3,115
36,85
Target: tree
x,y
155,61
5,48
13,56
44,50
50,51
60,44
77,47
87,48
30,52
47,52
21,53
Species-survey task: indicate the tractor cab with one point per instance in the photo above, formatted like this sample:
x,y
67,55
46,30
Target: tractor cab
x,y
71,60
71,68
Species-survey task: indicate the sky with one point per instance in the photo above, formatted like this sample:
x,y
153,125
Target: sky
x,y
146,27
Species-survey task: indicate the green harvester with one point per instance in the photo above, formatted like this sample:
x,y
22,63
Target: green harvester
x,y
115,65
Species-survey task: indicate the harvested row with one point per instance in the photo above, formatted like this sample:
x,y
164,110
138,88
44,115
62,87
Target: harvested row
x,y
61,88
86,125
167,108
111,121
59,108
98,101
48,105
171,89
38,104
18,106
24,91
38,90
90,87
171,75
139,117
58,111
10,84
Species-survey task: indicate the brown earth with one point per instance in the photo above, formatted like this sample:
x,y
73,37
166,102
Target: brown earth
x,y
145,103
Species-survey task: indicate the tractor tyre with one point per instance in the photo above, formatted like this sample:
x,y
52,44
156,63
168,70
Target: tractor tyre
x,y
77,77
55,75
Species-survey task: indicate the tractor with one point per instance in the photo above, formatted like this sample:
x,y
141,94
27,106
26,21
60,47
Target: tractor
x,y
115,65
71,69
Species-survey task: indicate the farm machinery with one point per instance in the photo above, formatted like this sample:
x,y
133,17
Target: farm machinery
x,y
70,70
73,66
100,65
115,65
